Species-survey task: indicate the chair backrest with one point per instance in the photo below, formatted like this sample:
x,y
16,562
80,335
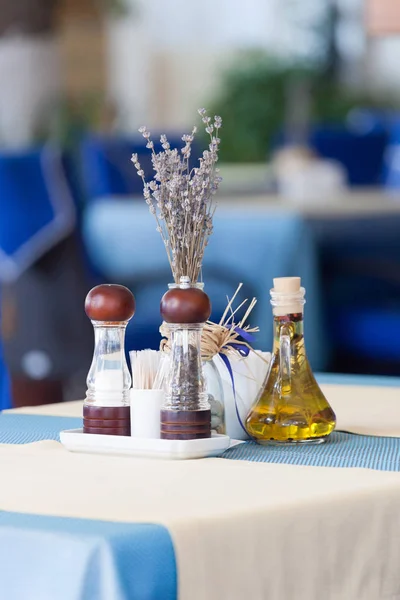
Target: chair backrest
x,y
107,169
361,154
37,208
361,265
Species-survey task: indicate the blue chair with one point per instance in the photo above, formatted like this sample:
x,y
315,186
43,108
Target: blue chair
x,y
361,154
38,260
37,211
107,169
358,146
37,207
361,266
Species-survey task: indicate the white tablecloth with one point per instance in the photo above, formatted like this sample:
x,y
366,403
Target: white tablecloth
x,y
240,529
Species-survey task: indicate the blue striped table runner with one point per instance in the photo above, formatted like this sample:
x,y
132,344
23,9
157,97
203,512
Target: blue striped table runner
x,y
341,450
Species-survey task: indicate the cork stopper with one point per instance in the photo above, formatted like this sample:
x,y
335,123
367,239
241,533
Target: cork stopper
x,y
108,302
287,296
287,285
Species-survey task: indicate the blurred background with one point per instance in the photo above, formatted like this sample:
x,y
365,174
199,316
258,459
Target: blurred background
x,y
309,94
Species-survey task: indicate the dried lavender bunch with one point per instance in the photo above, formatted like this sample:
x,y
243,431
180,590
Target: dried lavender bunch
x,y
181,198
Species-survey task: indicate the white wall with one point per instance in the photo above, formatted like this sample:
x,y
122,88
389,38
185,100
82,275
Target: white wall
x,y
382,64
165,59
164,62
30,84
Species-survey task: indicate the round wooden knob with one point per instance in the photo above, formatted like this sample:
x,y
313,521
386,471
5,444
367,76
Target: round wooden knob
x,y
110,302
185,305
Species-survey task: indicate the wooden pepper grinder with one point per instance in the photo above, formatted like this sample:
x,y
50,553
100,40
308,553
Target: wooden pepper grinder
x,y
186,413
106,409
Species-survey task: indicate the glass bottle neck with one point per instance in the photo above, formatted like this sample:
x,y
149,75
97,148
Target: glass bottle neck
x,y
294,325
288,313
287,304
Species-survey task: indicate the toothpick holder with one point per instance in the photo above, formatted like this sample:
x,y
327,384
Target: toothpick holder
x,y
145,412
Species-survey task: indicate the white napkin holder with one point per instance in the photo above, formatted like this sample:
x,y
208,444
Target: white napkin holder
x,y
249,375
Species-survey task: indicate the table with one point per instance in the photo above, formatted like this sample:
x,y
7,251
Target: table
x,y
79,527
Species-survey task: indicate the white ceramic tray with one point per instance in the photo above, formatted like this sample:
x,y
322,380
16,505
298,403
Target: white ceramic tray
x,y
75,440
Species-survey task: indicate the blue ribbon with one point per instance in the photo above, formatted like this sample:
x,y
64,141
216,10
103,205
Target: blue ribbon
x,y
248,337
244,351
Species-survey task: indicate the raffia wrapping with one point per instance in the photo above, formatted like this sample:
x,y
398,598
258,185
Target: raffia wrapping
x,y
217,338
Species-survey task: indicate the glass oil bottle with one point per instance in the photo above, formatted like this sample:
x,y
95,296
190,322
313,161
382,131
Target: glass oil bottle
x,y
290,407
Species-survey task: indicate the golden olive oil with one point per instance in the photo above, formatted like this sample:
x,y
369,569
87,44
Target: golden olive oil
x,y
291,406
